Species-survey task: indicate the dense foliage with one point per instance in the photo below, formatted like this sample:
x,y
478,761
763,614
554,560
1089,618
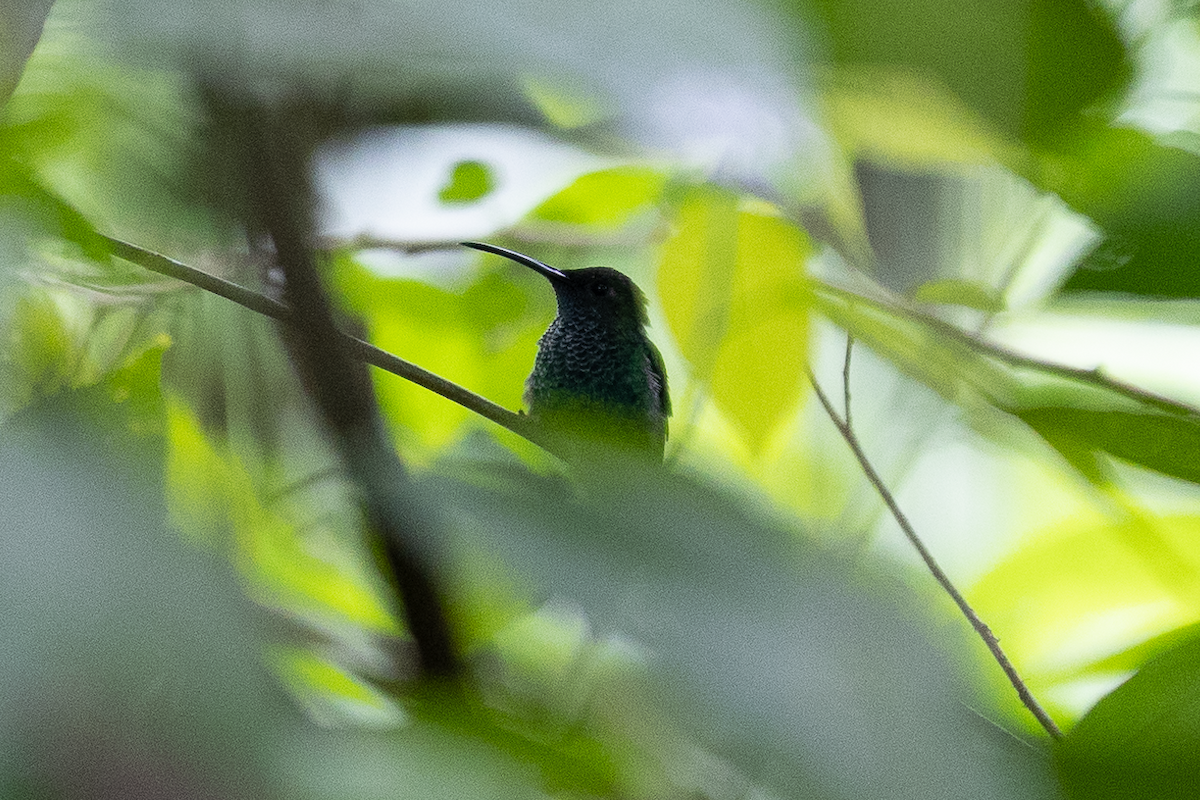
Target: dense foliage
x,y
971,224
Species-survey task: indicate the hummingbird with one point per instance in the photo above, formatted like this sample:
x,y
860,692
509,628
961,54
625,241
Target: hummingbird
x,y
597,375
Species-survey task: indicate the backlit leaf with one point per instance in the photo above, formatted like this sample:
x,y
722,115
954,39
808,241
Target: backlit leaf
x,y
731,283
607,198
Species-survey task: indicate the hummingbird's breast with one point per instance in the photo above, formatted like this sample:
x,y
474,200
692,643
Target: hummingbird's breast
x,y
583,361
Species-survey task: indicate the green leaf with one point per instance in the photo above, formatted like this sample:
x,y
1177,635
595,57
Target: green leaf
x,y
469,181
562,106
608,198
913,342
901,116
483,337
772,652
1088,588
956,292
1141,740
1028,67
731,281
104,604
114,140
1079,417
1162,442
53,216
40,353
1141,191
695,274
20,29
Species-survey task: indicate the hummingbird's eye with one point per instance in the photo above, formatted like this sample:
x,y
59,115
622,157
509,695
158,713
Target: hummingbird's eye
x,y
600,288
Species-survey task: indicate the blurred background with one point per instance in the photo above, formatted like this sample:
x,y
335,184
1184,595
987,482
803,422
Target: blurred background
x,y
996,202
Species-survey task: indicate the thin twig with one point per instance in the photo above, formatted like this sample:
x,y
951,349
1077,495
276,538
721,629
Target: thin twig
x,y
557,234
846,381
365,351
985,633
1093,377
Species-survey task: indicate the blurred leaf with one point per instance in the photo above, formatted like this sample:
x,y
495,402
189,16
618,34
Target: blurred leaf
x,y
426,761
901,116
769,650
1140,741
695,274
967,294
1082,591
20,28
331,696
607,198
127,662
1131,658
718,78
134,388
731,284
290,555
469,181
1142,191
1162,442
1079,417
1028,67
112,140
562,106
52,216
39,357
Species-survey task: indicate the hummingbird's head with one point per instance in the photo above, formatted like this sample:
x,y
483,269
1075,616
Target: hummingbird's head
x,y
599,290
602,289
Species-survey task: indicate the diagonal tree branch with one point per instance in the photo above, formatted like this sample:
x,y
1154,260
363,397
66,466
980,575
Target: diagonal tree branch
x,y
364,351
1091,377
985,633
404,532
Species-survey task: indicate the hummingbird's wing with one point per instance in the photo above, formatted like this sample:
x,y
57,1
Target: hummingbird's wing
x,y
656,372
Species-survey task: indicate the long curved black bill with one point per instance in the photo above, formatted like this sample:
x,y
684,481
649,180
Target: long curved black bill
x,y
538,266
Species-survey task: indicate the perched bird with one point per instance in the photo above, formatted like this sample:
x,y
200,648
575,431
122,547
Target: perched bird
x,y
597,376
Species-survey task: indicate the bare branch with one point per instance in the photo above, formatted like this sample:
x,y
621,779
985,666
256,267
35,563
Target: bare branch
x,y
1092,377
985,633
402,529
846,381
365,351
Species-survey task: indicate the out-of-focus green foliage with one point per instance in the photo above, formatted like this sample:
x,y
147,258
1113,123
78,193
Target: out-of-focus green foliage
x,y
1029,68
685,632
482,338
1159,441
1142,190
959,293
469,181
1098,581
1138,741
657,557
20,28
731,278
121,645
605,199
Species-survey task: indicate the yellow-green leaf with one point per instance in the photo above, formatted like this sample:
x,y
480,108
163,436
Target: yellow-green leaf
x,y
562,105
901,117
695,274
956,292
731,282
607,198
